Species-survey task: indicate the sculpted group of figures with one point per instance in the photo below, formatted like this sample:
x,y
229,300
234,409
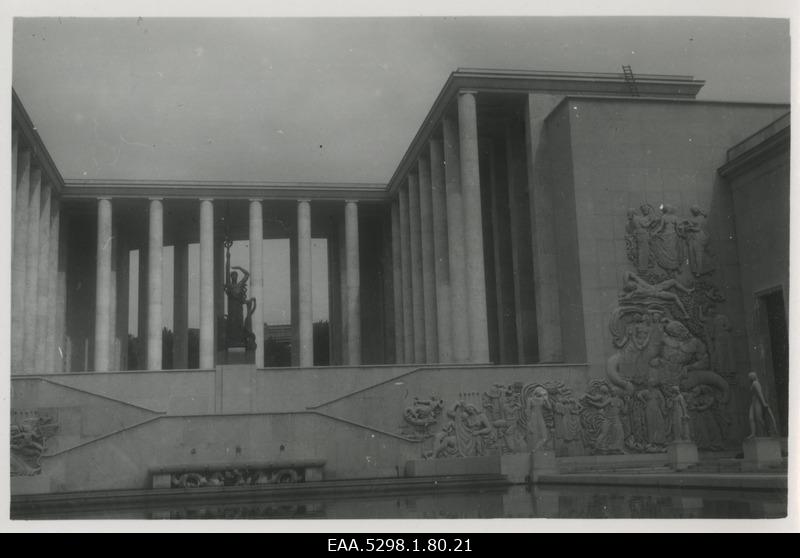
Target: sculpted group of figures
x,y
605,420
29,442
669,379
671,339
662,239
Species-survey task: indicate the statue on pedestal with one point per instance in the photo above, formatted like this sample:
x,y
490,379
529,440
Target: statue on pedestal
x,y
759,410
238,325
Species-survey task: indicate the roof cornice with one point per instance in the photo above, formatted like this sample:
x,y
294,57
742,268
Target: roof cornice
x,y
22,122
218,189
554,83
764,144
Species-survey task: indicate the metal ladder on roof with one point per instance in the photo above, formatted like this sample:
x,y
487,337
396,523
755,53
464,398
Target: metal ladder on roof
x,y
630,80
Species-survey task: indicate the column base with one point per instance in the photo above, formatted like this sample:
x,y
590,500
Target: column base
x,y
761,453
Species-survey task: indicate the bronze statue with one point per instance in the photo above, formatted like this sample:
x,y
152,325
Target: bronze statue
x,y
239,326
759,411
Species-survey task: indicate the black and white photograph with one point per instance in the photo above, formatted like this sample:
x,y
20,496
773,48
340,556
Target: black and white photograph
x,y
428,268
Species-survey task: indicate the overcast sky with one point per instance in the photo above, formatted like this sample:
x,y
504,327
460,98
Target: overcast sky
x,y
327,99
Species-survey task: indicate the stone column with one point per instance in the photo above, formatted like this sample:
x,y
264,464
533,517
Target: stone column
x,y
141,312
503,259
353,284
180,304
295,297
455,242
342,255
32,272
334,298
43,282
428,260
304,283
397,282
102,316
405,263
545,260
207,341
521,251
417,289
440,252
123,299
63,362
218,271
51,346
154,284
387,285
257,276
19,266
471,193
113,345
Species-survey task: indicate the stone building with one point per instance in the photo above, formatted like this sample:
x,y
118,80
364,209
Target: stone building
x,y
551,247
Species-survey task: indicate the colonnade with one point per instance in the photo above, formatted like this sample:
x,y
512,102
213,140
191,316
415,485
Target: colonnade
x,y
38,281
438,276
438,261
105,311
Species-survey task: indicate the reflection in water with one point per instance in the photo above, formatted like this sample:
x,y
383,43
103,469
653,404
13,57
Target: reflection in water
x,y
513,502
546,501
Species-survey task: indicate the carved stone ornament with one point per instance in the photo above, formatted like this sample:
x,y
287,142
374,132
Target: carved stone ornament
x,y
420,416
668,380
29,441
242,476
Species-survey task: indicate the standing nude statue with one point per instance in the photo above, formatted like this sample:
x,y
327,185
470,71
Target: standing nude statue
x,y
758,408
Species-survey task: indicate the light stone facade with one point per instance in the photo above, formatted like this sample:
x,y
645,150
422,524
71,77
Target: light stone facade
x,y
500,249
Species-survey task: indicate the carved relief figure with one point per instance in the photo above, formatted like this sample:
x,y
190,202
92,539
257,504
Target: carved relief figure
x,y
638,336
28,443
602,419
654,411
570,411
445,443
471,429
537,432
679,415
638,291
762,421
421,415
694,229
708,432
687,359
504,411
27,446
665,243
718,332
639,230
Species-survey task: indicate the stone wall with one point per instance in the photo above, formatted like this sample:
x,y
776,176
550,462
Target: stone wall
x,y
624,155
761,201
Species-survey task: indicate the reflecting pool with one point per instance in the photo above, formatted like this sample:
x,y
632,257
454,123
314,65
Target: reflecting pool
x,y
547,501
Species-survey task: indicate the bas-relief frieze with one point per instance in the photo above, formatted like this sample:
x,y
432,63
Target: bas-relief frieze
x,y
30,430
235,476
669,379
